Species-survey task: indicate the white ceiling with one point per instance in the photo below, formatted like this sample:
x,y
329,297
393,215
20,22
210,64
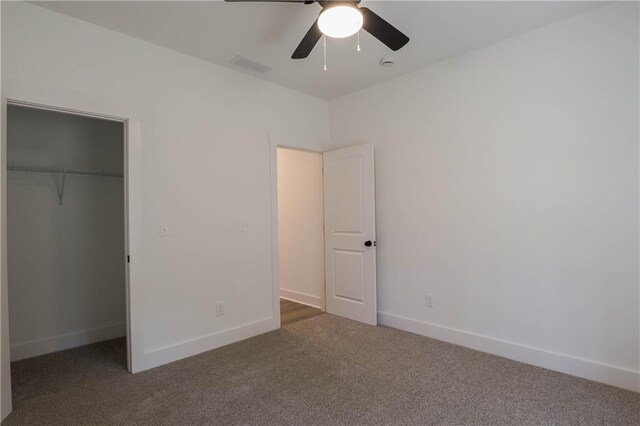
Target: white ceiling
x,y
268,33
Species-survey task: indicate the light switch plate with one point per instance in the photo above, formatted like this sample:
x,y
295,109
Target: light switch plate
x,y
244,226
164,229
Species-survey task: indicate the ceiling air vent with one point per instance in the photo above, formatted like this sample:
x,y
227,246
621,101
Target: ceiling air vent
x,y
244,64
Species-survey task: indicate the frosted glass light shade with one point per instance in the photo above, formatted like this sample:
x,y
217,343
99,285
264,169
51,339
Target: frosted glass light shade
x,y
340,21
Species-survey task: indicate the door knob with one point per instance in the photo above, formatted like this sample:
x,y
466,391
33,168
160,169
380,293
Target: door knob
x,y
368,243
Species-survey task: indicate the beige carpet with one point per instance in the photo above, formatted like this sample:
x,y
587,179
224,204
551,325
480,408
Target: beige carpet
x,y
323,370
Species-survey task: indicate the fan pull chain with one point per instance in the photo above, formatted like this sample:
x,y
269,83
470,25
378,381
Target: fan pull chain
x,y
358,41
324,40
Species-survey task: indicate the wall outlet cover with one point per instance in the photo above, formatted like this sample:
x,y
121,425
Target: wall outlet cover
x,y
219,308
428,300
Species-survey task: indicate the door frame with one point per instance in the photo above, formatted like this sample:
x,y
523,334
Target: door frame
x,y
287,141
19,93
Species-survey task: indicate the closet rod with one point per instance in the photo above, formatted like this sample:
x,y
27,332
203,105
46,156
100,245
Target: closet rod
x,y
61,171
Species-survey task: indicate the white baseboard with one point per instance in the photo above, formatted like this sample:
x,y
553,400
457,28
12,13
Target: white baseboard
x,y
305,299
177,351
46,345
611,375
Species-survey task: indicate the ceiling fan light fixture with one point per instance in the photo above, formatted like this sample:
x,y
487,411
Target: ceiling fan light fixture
x,y
340,21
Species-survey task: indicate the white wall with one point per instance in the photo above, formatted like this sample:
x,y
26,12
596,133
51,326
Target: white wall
x,y
301,226
205,167
507,187
65,262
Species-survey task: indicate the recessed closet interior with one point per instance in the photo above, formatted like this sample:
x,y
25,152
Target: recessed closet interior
x,y
66,230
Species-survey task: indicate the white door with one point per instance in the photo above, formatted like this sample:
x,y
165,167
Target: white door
x,y
350,233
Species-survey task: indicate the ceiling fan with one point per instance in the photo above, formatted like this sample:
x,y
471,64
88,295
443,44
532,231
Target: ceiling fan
x,y
339,19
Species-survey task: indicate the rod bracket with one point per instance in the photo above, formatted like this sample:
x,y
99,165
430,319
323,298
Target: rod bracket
x,y
61,186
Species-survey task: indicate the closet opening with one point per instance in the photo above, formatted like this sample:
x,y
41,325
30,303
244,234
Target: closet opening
x,y
66,246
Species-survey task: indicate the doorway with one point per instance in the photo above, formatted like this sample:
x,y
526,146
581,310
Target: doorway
x,y
66,240
300,234
324,250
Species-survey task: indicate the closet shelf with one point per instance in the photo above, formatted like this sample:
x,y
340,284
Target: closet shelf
x,y
62,171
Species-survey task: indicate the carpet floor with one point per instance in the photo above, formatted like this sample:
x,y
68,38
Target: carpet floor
x,y
322,370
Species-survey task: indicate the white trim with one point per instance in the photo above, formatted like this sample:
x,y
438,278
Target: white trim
x,y
61,342
275,247
188,348
303,298
33,105
5,362
133,228
587,369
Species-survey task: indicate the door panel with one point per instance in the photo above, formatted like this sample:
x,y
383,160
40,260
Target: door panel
x,y
349,275
349,223
347,206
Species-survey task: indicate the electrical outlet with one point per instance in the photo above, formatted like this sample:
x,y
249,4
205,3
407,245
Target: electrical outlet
x,y
428,300
219,308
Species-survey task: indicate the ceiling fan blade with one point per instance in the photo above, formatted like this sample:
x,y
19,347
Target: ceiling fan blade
x,y
308,42
382,30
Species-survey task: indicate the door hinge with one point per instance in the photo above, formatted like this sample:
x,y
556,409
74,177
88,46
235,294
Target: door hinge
x,y
128,259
